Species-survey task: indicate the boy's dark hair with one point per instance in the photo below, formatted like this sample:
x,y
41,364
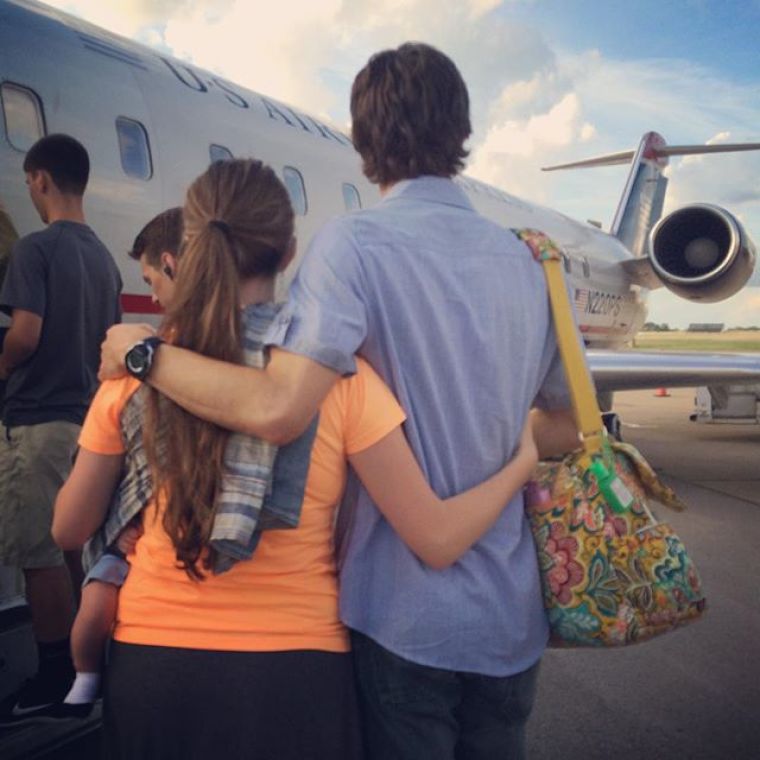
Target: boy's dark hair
x,y
410,114
64,158
162,233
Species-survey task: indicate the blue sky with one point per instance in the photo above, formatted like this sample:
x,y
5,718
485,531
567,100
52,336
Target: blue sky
x,y
550,81
720,35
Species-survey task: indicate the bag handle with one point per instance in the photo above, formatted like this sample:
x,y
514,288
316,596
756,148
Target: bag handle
x,y
588,417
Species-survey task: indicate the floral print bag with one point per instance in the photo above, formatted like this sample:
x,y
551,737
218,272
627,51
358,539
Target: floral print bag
x,y
611,573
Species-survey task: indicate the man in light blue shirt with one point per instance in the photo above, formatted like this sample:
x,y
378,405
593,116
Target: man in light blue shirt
x,y
452,312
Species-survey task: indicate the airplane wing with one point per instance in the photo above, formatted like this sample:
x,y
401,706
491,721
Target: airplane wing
x,y
632,370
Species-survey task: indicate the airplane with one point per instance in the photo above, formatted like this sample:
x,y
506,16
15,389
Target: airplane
x,y
152,123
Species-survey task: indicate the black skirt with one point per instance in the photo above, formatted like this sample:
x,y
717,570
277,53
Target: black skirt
x,y
162,703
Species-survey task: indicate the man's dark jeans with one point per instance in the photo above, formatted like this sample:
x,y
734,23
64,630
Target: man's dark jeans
x,y
414,712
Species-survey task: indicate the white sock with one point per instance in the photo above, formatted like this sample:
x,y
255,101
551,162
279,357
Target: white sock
x,y
84,689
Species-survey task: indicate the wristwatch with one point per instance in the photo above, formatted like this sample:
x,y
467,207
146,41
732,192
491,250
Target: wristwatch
x,y
139,359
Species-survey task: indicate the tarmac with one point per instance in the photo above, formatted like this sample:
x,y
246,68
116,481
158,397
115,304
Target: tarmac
x,y
694,693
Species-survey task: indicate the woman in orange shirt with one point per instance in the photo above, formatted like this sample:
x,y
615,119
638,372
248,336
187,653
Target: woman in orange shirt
x,y
252,662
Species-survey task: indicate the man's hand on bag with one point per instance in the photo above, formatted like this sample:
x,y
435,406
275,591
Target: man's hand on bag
x,y
119,339
528,447
555,432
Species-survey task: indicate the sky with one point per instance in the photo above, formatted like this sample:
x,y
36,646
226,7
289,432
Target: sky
x,y
550,81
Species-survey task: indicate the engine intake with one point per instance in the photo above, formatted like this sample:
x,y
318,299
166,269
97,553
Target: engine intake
x,y
701,252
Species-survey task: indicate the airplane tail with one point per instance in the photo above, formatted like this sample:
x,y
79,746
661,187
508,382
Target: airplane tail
x,y
642,200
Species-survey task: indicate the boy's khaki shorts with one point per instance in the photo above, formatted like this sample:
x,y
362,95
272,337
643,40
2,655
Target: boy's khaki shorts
x,y
35,460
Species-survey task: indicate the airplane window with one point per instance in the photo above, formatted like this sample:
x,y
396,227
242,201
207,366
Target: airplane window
x,y
351,198
219,153
134,148
296,189
24,123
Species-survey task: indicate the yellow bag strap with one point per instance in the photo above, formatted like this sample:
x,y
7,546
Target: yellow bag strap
x,y
582,392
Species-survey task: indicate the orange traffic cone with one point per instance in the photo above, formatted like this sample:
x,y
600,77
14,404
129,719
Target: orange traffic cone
x,y
661,392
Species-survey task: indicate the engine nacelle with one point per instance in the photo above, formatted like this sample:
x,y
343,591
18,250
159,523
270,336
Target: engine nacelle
x,y
702,253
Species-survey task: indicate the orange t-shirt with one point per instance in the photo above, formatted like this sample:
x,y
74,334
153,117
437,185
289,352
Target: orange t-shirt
x,y
286,596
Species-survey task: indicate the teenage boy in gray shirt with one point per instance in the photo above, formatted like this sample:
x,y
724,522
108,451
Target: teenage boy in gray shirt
x,y
453,313
62,291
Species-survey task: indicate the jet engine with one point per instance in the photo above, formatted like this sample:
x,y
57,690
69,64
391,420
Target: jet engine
x,y
701,253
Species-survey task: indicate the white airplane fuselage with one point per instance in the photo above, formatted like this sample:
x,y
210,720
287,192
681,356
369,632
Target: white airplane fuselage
x,y
84,79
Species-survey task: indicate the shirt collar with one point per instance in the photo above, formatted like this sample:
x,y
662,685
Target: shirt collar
x,y
430,189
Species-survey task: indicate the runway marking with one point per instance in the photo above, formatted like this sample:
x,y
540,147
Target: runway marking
x,y
703,484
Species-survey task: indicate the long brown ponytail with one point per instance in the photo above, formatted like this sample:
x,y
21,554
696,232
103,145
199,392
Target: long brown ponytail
x,y
238,225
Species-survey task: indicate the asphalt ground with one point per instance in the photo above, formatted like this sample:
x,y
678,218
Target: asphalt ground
x,y
693,693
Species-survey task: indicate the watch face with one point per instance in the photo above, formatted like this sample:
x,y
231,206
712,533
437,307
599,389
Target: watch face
x,y
137,359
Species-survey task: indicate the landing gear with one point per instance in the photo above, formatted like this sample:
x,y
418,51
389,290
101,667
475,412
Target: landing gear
x,y
612,423
609,418
604,399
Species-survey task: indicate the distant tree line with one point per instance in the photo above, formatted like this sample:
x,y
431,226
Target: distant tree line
x,y
655,327
665,327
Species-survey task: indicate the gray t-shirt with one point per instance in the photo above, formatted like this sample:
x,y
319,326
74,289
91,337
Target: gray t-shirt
x,y
65,275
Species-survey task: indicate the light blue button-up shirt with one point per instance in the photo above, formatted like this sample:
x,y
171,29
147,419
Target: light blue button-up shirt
x,y
452,311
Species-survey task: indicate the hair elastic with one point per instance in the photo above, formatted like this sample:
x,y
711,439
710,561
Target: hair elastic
x,y
221,225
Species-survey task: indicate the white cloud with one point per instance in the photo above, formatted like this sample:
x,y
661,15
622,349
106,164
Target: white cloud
x,y
480,8
298,50
732,179
125,18
278,51
511,151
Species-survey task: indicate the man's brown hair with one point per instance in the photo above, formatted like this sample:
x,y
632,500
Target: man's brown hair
x,y
410,114
162,233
